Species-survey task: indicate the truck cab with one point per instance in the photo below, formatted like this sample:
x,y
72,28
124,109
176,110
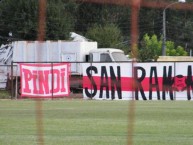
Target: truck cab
x,y
96,56
107,55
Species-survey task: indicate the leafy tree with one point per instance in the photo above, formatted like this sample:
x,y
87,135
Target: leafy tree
x,y
179,24
21,18
106,36
150,21
179,27
60,19
151,48
172,51
118,15
89,14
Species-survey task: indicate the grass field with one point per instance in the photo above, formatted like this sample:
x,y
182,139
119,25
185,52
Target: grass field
x,y
89,122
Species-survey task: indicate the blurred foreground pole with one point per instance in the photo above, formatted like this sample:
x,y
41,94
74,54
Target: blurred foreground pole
x,y
40,37
39,122
42,20
135,7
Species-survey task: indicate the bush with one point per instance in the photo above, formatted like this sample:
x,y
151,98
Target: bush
x,y
107,36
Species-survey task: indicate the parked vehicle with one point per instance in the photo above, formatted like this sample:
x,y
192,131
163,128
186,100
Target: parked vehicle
x,y
75,52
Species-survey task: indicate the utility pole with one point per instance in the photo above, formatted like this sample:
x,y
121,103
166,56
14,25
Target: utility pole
x,y
164,25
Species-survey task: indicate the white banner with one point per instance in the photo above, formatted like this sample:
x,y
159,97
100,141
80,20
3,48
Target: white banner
x,y
143,81
107,81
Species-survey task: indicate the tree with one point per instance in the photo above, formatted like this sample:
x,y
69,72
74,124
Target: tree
x,y
21,18
63,16
107,36
179,24
150,21
60,19
179,27
89,14
151,48
172,51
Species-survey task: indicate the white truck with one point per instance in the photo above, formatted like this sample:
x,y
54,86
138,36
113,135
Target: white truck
x,y
74,52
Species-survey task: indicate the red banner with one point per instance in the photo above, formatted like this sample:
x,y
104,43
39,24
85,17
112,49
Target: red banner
x,y
44,80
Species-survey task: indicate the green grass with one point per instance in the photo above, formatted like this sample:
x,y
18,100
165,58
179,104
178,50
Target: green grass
x,y
4,94
89,122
